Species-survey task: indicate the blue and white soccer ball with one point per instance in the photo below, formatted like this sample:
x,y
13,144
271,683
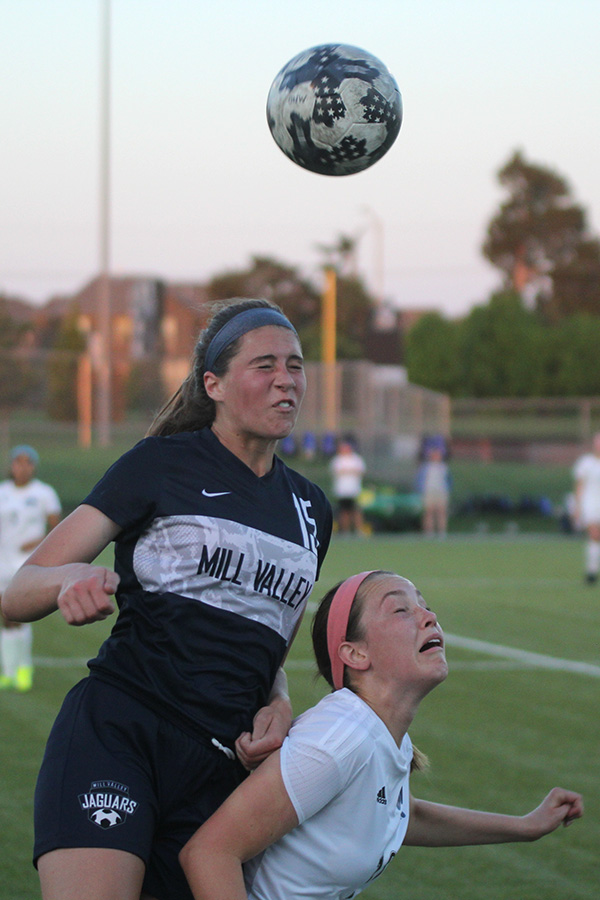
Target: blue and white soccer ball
x,y
334,109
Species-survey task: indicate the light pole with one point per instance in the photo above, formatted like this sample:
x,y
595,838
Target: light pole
x,y
378,254
104,316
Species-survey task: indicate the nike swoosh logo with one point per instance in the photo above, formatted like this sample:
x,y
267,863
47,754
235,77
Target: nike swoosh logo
x,y
206,493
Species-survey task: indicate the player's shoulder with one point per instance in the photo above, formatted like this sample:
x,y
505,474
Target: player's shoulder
x,y
41,485
342,725
300,482
586,462
156,447
202,441
48,492
155,442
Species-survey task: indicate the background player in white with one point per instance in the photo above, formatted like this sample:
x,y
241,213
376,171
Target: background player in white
x,y
586,473
29,509
217,546
434,482
347,468
333,806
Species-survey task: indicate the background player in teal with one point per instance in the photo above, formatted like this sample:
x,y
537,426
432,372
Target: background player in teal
x,y
217,546
323,816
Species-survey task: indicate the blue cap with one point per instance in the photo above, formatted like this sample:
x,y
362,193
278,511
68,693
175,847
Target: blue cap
x,y
25,450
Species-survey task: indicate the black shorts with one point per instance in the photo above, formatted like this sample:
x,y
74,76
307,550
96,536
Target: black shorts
x,y
117,775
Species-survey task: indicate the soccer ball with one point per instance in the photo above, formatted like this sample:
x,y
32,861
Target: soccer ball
x,y
334,109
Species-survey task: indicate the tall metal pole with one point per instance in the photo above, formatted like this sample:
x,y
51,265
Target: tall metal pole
x,y
328,347
104,405
379,264
378,254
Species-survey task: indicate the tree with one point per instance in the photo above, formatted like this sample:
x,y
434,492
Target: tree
x,y
498,350
502,349
576,284
538,239
62,370
573,367
18,378
274,281
354,310
432,355
301,301
355,305
342,254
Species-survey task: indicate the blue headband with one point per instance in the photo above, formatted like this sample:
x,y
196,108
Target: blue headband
x,y
239,325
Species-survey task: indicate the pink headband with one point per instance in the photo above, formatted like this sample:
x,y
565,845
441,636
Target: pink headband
x,y
337,623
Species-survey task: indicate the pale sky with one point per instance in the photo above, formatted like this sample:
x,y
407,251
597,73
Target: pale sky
x,y
197,184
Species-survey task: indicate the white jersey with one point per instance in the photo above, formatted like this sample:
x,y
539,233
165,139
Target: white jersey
x,y
347,470
24,515
348,782
435,480
587,471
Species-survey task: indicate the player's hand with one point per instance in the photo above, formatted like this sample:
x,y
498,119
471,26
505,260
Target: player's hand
x,y
85,594
270,727
560,807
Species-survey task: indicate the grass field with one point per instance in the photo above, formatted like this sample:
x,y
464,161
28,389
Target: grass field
x,y
503,729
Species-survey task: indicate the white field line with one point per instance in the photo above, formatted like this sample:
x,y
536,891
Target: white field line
x,y
511,657
524,657
507,658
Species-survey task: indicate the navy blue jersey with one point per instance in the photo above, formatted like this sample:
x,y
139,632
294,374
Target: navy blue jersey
x,y
216,565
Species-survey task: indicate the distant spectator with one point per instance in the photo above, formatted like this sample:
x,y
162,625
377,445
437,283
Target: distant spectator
x,y
309,445
29,509
586,473
348,468
328,444
434,483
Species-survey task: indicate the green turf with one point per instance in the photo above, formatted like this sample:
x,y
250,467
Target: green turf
x,y
499,735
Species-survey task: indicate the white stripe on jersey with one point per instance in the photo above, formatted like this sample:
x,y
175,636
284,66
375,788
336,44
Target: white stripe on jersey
x,y
229,566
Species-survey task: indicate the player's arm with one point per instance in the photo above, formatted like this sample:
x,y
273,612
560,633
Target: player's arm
x,y
271,723
269,727
59,573
254,816
435,825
